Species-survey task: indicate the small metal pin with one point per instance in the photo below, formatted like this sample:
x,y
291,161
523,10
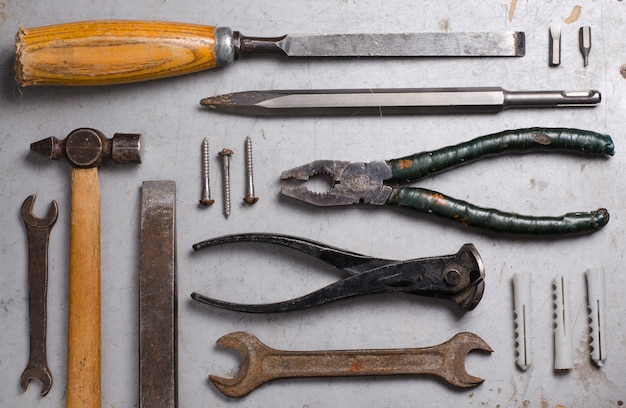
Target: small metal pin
x,y
584,39
225,154
250,197
206,199
555,46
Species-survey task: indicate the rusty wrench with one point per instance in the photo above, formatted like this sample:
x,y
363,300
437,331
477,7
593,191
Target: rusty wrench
x,y
262,363
38,233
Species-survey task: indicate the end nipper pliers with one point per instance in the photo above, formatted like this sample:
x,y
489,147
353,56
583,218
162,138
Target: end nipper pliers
x,y
377,182
458,277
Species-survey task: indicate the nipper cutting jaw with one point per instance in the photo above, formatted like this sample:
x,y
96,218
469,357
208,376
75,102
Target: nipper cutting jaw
x,y
352,183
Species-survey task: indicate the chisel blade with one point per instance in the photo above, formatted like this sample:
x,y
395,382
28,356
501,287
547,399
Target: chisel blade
x,y
468,44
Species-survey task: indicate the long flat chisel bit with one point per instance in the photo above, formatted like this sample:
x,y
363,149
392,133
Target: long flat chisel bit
x,y
393,101
121,51
158,382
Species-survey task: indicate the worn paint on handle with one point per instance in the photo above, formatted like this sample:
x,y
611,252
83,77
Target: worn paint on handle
x,y
432,202
511,141
111,52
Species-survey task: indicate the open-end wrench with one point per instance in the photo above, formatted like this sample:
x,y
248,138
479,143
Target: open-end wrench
x,y
262,363
38,233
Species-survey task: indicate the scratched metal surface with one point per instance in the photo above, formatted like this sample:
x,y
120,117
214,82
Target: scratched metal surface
x,y
167,113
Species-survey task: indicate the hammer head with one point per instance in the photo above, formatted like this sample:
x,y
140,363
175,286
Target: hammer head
x,y
84,148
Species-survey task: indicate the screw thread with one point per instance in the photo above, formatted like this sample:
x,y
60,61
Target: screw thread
x,y
249,198
248,146
206,199
205,159
227,192
225,154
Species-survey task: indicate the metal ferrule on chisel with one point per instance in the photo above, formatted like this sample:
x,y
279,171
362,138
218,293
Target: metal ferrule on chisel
x,y
225,46
394,101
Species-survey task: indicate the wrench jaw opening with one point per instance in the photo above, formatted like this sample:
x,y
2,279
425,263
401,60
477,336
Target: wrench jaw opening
x,y
41,373
31,220
250,374
454,352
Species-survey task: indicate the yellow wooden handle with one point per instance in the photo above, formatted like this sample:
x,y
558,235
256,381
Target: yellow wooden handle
x,y
112,52
83,345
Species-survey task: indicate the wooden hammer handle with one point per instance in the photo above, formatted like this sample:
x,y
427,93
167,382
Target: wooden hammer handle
x,y
83,357
111,52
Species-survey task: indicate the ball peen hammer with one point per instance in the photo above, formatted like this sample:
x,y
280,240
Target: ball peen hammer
x,y
86,149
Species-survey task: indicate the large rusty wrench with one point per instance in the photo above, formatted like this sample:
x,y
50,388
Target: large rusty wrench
x,y
86,149
38,235
262,363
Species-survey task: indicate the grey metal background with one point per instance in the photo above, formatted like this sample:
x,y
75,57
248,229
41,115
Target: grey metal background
x,y
167,113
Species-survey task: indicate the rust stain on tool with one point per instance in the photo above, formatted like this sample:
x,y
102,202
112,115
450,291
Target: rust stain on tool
x,y
574,15
38,234
158,346
512,8
262,363
405,164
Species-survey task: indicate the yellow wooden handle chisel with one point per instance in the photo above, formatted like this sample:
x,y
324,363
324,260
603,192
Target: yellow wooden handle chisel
x,y
121,51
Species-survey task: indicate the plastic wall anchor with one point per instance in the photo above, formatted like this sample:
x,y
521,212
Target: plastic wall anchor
x,y
596,299
523,311
563,344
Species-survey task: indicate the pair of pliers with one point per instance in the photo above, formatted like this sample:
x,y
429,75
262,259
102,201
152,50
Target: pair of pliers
x,y
378,182
458,277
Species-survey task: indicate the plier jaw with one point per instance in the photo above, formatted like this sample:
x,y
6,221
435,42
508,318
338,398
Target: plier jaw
x,y
352,183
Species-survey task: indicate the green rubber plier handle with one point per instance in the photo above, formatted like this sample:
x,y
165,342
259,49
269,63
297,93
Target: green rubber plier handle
x,y
417,166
